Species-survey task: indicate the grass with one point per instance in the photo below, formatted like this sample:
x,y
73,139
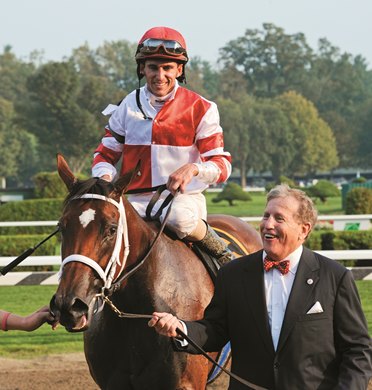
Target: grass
x,y
25,299
255,207
365,291
16,344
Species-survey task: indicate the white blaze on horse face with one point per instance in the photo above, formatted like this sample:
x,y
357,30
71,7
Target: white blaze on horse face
x,y
86,217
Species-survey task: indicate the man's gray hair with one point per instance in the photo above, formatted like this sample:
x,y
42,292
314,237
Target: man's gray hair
x,y
307,212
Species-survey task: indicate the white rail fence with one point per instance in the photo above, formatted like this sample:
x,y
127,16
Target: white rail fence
x,y
52,278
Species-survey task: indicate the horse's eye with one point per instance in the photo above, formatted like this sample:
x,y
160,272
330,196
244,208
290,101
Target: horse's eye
x,y
112,230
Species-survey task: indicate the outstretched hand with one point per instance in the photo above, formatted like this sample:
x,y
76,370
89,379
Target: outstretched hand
x,y
165,324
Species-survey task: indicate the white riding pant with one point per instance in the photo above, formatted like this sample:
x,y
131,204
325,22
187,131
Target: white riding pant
x,y
185,213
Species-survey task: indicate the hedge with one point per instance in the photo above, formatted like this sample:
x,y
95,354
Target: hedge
x,y
30,210
15,245
340,240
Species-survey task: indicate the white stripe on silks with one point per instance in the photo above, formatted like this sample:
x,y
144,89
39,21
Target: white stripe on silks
x,y
112,144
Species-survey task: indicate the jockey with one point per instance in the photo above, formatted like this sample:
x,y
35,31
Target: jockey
x,y
176,135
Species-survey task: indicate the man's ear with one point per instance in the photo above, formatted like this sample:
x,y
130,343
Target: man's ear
x,y
179,70
142,68
306,228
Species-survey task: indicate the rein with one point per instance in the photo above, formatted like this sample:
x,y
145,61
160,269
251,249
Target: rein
x,y
122,314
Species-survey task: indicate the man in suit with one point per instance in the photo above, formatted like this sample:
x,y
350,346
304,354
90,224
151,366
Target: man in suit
x,y
293,317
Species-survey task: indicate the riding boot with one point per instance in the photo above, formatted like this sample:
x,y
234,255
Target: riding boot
x,y
215,246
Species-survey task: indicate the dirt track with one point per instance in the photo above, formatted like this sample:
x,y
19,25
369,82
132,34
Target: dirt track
x,y
57,372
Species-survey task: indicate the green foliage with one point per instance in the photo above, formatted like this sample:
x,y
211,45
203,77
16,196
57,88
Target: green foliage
x,y
231,191
235,119
350,240
32,210
313,139
359,201
282,180
17,244
314,241
49,185
360,179
322,190
271,60
340,240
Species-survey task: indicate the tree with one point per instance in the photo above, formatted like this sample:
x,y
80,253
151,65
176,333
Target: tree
x,y
271,60
13,75
232,191
340,85
272,139
313,139
113,60
57,119
235,122
322,190
10,146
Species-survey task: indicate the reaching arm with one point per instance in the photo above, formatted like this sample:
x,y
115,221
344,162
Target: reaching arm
x,y
10,321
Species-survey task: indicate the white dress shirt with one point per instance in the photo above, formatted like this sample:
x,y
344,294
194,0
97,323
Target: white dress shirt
x,y
277,290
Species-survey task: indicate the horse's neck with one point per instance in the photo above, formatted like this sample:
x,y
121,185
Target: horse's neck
x,y
140,233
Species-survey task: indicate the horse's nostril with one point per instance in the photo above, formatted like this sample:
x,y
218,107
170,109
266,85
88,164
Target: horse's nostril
x,y
79,306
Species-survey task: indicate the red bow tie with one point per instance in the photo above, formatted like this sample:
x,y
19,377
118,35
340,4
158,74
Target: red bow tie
x,y
282,266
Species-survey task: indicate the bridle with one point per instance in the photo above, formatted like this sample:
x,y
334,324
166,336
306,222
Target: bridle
x,y
107,275
110,285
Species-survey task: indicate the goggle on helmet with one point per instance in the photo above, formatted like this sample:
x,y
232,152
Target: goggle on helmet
x,y
162,42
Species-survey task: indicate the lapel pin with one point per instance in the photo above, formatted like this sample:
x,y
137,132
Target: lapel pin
x,y
309,281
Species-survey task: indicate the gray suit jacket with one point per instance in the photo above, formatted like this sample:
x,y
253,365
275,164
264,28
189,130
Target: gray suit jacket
x,y
329,350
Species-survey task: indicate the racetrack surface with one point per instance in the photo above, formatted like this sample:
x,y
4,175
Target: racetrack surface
x,y
59,372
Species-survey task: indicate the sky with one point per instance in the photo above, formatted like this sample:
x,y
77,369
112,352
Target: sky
x,y
57,27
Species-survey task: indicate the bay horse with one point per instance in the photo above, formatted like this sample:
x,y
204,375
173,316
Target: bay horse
x,y
103,237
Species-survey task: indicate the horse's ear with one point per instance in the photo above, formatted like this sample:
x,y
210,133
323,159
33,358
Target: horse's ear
x,y
65,172
122,184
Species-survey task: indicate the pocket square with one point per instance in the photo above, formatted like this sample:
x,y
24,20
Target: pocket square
x,y
316,308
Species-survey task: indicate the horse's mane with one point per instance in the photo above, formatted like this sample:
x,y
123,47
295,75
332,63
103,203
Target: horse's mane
x,y
93,185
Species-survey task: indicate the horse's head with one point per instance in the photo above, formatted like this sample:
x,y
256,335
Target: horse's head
x,y
94,245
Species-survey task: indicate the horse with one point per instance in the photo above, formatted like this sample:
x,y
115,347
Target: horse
x,y
109,250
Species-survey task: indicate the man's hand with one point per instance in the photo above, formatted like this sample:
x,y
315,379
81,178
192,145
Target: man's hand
x,y
179,179
106,177
165,324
